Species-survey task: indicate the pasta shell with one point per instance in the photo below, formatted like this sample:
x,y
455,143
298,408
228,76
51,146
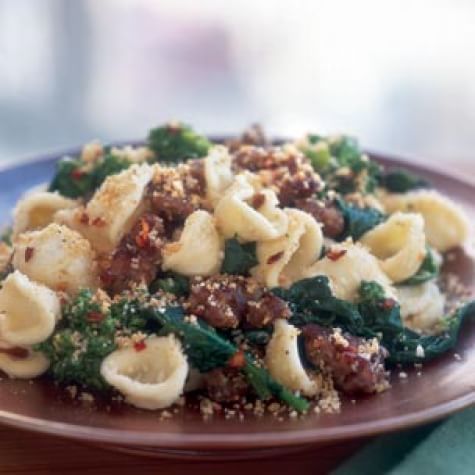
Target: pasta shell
x,y
199,250
57,257
152,378
218,173
36,210
28,311
283,360
446,224
113,209
353,265
399,243
422,306
235,215
31,366
284,260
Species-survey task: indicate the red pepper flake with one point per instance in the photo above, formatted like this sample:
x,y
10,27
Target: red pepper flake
x,y
16,352
238,360
143,237
29,251
77,174
388,304
140,345
99,221
84,218
94,317
335,254
274,258
258,200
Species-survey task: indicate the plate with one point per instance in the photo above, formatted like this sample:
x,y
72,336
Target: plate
x,y
439,389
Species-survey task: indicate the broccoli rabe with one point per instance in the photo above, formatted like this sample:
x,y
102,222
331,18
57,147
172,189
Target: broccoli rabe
x,y
428,270
358,220
342,163
207,350
238,258
6,236
83,338
176,142
172,283
373,315
75,179
401,181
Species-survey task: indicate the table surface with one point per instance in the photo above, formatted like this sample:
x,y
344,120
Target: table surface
x,y
24,452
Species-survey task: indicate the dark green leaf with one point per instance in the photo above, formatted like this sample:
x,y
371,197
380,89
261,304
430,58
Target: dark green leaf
x,y
6,236
174,143
429,270
238,258
207,350
358,221
401,181
172,283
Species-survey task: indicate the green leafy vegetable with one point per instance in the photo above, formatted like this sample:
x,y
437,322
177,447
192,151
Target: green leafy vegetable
x,y
207,350
311,301
85,336
428,270
172,283
342,163
6,236
173,143
374,315
358,221
401,181
75,180
238,258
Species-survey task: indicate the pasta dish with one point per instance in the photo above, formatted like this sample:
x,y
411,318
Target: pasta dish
x,y
236,277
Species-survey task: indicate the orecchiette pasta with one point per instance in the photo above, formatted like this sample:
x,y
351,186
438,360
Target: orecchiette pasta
x,y
283,360
422,306
152,378
347,267
199,250
37,210
32,365
218,173
284,260
28,311
5,255
446,225
399,243
57,257
112,210
236,216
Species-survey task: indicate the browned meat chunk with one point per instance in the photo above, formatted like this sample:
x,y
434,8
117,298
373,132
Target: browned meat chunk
x,y
254,135
356,364
288,172
175,192
326,213
137,258
225,384
225,301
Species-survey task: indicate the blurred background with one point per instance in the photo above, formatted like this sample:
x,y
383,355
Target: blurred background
x,y
398,74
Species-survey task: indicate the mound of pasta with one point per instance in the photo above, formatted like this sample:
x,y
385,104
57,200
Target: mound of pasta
x,y
240,274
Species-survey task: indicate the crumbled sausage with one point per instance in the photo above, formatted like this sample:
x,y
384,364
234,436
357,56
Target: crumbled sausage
x,y
356,364
137,258
327,213
253,135
288,172
225,301
225,384
175,192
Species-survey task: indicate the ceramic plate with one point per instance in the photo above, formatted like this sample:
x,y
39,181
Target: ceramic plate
x,y
443,387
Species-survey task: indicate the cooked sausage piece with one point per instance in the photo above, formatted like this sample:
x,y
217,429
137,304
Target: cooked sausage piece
x,y
356,364
224,301
327,213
